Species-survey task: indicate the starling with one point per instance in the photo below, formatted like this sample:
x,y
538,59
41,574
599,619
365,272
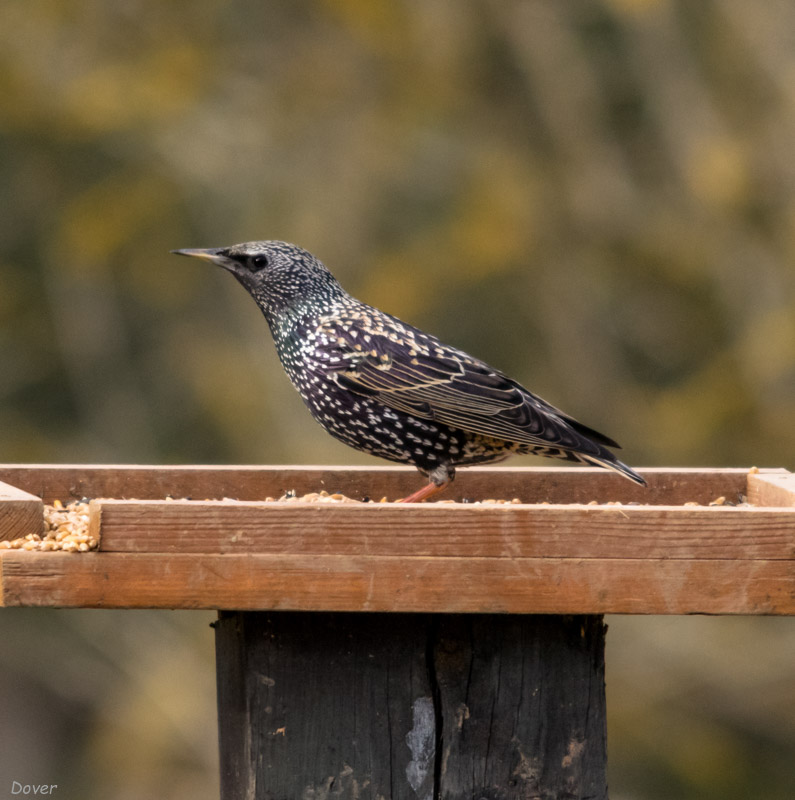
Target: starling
x,y
388,389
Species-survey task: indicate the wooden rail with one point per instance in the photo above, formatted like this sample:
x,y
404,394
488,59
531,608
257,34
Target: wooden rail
x,y
552,553
20,512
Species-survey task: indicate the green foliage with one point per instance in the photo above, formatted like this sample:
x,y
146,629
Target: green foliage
x,y
607,173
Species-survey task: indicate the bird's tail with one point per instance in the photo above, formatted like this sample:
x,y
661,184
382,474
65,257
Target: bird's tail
x,y
614,464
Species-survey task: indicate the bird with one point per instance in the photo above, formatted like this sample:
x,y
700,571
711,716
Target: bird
x,y
389,389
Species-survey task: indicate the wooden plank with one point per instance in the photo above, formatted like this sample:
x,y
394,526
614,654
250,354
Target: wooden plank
x,y
530,484
385,583
320,705
495,531
410,706
20,513
523,710
772,489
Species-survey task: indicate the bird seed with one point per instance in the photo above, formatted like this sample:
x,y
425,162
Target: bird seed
x,y
65,529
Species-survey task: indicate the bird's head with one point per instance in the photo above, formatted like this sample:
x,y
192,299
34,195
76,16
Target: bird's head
x,y
282,278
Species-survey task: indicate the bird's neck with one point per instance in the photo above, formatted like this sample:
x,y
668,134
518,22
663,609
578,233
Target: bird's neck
x,y
291,325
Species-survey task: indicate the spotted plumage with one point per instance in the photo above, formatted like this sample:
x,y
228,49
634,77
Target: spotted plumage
x,y
389,389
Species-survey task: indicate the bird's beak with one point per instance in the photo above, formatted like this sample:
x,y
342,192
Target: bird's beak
x,y
212,254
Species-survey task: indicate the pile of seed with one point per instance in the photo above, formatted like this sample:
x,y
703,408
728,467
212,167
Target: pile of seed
x,y
742,500
324,497
314,497
65,529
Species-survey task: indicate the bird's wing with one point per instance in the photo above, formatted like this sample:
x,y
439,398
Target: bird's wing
x,y
432,381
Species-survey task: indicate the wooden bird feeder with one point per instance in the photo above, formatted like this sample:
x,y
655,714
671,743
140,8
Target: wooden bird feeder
x,y
478,669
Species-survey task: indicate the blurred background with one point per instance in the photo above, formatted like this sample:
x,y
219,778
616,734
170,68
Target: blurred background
x,y
596,197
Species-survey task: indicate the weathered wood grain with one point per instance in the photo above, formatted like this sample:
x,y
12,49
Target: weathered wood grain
x,y
434,557
772,489
320,705
412,706
496,531
389,583
522,702
529,484
20,513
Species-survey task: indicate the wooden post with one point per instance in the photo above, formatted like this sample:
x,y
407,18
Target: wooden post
x,y
377,706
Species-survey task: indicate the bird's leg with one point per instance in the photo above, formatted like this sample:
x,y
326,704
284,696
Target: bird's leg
x,y
441,478
423,494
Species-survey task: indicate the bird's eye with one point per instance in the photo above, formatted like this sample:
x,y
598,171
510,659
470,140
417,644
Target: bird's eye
x,y
258,263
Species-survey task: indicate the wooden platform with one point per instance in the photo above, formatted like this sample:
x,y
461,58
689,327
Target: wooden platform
x,y
552,553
